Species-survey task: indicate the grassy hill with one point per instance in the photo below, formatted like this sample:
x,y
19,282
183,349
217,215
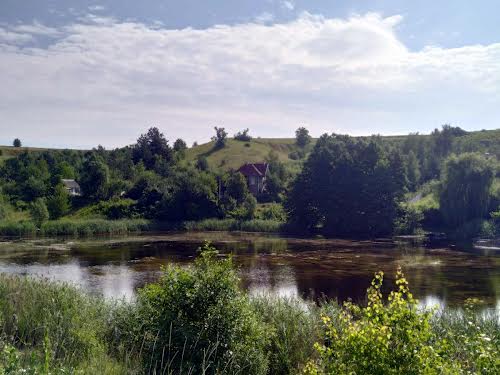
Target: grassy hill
x,y
236,153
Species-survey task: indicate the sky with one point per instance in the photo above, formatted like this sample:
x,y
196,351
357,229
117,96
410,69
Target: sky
x,y
77,73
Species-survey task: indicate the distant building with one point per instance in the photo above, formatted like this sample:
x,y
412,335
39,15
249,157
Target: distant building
x,y
72,187
255,174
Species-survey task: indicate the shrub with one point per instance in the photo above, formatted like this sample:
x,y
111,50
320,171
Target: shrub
x,y
39,212
381,339
197,319
243,136
273,211
409,220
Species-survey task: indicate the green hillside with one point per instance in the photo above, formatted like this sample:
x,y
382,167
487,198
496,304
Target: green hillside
x,y
236,153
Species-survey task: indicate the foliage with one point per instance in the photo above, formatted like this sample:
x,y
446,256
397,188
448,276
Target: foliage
x,y
39,212
219,138
58,203
348,187
302,137
465,192
94,178
409,220
152,148
395,338
294,326
255,225
16,142
202,163
413,171
94,226
272,211
243,136
197,319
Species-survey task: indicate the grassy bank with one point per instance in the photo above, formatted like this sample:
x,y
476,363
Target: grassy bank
x,y
198,320
255,225
67,227
89,227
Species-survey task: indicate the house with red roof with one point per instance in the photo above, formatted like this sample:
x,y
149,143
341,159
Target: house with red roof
x,y
255,174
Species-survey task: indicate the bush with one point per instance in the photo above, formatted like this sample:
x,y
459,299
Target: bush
x,y
409,220
395,338
243,136
39,212
272,211
197,319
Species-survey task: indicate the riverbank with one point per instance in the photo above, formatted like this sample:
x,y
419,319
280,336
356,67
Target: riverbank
x,y
89,227
53,327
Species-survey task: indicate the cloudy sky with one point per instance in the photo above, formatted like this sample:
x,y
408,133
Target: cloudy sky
x,y
77,73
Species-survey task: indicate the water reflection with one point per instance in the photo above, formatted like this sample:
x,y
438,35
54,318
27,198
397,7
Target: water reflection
x,y
116,267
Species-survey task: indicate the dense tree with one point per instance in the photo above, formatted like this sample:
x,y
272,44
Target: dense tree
x,y
58,203
302,137
38,211
465,190
150,147
16,142
180,147
219,138
413,170
348,187
202,163
94,178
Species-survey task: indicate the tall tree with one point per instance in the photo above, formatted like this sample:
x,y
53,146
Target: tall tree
x,y
302,137
17,142
151,147
465,189
413,170
348,187
94,178
220,137
58,203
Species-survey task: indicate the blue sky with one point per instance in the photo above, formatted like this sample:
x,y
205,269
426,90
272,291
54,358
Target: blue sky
x,y
80,73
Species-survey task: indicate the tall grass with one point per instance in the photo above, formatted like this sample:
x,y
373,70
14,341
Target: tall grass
x,y
72,227
256,225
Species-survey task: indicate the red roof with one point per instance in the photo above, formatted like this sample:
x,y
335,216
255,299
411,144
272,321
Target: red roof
x,y
253,169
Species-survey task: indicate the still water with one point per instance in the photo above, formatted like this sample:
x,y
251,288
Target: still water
x,y
307,268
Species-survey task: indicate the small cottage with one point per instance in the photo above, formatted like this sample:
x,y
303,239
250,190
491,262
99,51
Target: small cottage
x,y
72,187
255,174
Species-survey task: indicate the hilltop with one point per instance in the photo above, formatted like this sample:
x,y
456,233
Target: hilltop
x,y
236,153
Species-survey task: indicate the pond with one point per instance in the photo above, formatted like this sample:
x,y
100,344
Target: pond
x,y
307,268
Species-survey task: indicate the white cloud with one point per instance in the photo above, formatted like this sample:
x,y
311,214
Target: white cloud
x,y
264,17
288,5
36,28
104,81
96,8
10,37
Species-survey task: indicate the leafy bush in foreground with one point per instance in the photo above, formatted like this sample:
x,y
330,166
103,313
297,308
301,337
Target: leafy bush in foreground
x,y
197,320
397,338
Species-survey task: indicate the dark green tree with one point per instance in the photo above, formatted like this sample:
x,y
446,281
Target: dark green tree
x,y
16,142
94,178
180,148
348,187
465,189
38,211
413,170
150,147
58,203
220,138
302,137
